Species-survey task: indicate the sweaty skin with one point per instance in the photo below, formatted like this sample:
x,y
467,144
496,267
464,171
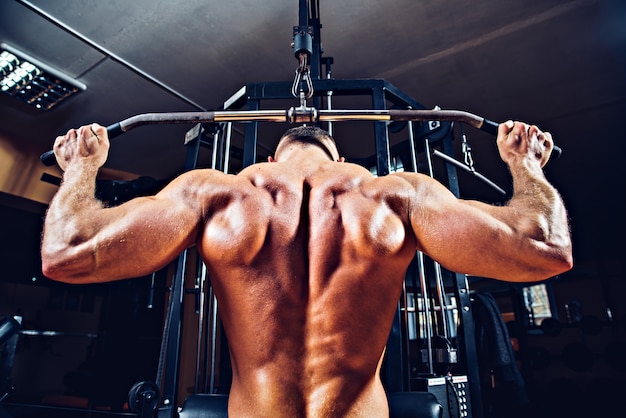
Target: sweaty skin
x,y
307,255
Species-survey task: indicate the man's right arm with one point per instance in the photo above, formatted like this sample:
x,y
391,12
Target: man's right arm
x,y
528,239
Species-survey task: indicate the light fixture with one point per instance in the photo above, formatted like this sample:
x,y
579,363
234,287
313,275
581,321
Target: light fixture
x,y
32,81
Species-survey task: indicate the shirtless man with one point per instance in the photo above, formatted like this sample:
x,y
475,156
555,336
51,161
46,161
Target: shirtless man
x,y
307,254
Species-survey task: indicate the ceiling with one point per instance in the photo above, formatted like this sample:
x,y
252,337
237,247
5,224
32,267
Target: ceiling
x,y
558,64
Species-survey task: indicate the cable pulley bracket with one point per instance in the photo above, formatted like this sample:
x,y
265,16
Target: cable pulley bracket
x,y
302,40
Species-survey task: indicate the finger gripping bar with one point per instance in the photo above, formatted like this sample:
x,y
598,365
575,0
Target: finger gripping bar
x,y
491,127
48,158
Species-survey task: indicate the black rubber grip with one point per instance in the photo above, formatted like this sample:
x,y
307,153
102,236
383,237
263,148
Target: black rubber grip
x,y
48,158
114,130
490,127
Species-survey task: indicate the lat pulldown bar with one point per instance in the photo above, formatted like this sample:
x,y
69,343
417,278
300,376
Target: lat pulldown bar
x,y
297,115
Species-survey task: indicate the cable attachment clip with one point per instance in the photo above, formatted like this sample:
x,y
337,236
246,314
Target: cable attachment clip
x,y
303,74
466,148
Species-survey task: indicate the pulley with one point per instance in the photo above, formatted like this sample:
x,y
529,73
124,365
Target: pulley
x,y
143,398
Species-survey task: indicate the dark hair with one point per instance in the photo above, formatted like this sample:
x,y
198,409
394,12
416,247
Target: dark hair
x,y
312,135
305,131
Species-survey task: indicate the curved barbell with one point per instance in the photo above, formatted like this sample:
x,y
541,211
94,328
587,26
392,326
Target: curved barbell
x,y
297,115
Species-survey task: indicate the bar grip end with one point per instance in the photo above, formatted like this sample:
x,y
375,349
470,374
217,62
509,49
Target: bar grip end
x,y
490,127
48,158
114,130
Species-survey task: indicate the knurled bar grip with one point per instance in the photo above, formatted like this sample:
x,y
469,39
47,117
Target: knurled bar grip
x,y
295,115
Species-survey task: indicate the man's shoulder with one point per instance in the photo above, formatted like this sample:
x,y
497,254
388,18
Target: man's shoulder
x,y
396,180
207,182
409,178
398,185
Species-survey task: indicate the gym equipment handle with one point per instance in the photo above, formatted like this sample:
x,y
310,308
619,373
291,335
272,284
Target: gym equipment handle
x,y
298,115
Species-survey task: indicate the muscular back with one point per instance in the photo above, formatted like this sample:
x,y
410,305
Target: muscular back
x,y
307,264
307,256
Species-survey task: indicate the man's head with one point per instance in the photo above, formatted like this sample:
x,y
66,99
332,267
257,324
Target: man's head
x,y
308,136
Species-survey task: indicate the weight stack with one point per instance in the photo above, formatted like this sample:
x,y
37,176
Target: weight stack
x,y
452,392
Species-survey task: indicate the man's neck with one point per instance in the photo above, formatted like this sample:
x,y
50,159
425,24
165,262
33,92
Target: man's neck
x,y
311,154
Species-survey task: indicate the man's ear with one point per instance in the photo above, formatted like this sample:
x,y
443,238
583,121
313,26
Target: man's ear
x,y
342,159
271,159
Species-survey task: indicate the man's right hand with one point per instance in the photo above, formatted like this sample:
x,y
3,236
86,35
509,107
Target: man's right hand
x,y
88,144
518,141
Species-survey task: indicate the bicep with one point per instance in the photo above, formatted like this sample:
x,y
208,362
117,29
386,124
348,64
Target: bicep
x,y
132,239
142,236
470,237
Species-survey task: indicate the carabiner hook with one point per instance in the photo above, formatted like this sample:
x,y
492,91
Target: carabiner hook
x,y
303,72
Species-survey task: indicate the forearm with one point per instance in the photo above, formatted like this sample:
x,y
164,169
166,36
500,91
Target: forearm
x,y
540,207
70,226
538,217
540,220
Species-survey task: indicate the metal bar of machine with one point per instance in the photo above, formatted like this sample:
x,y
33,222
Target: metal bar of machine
x,y
293,115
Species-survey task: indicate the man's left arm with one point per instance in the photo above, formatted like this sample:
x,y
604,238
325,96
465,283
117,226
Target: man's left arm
x,y
85,242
